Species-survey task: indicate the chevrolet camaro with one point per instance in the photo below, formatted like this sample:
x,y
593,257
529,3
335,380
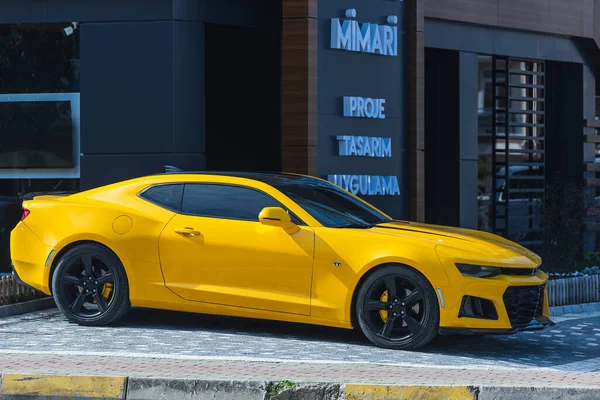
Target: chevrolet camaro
x,y
273,246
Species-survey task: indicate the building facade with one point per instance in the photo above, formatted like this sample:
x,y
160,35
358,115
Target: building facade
x,y
458,112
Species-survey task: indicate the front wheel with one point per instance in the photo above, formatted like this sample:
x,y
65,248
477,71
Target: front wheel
x,y
90,286
396,308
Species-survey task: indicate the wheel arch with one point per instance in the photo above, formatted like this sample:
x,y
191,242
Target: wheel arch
x,y
369,272
56,259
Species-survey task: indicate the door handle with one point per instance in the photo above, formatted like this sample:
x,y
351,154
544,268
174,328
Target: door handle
x,y
187,232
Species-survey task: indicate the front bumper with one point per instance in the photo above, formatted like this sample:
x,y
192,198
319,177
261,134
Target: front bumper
x,y
534,325
502,304
513,300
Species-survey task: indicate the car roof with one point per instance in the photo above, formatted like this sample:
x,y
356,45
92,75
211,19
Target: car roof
x,y
270,178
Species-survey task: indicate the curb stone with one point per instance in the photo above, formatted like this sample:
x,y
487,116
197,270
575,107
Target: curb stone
x,y
21,387
574,309
511,393
184,389
307,392
385,392
26,307
17,386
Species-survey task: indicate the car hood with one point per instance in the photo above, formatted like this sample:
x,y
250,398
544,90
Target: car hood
x,y
473,241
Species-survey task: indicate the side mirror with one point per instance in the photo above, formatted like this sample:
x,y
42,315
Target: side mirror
x,y
275,216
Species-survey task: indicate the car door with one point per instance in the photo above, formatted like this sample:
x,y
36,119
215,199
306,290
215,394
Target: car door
x,y
216,251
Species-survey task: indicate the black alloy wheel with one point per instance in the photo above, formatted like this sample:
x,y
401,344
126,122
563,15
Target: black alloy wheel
x,y
90,286
396,308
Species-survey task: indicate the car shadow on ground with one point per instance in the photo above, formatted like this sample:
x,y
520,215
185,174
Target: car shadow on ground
x,y
159,319
527,349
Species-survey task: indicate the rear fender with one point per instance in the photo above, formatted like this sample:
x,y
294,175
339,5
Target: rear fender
x,y
73,241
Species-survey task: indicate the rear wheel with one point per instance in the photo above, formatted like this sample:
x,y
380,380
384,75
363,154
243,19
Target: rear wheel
x,y
396,308
90,286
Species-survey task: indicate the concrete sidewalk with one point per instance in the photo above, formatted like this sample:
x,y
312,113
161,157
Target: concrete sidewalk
x,y
165,378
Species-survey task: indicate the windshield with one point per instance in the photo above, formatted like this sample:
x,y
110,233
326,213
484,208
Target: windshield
x,y
331,206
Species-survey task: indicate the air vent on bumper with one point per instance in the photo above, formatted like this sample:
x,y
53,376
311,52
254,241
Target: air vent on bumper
x,y
475,307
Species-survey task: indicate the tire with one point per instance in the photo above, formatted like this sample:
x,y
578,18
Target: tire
x,y
90,286
413,323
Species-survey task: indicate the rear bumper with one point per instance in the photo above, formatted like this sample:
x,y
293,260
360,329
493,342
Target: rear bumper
x,y
18,278
29,256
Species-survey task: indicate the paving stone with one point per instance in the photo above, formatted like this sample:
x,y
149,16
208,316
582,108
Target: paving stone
x,y
150,343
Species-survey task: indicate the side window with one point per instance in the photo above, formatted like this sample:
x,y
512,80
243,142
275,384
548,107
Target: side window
x,y
167,196
224,201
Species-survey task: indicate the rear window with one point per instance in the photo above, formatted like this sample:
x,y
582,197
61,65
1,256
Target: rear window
x,y
166,196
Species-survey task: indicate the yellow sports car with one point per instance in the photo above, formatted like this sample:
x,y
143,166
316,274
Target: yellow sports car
x,y
273,246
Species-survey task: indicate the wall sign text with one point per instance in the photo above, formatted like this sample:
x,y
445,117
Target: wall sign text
x,y
367,185
365,146
349,35
364,107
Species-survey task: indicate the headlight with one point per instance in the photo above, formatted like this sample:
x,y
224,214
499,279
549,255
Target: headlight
x,y
478,271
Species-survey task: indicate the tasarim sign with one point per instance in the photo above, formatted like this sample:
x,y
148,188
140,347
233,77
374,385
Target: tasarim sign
x,y
364,146
350,35
367,185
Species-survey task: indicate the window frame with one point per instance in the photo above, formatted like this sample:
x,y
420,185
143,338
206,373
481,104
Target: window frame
x,y
295,218
146,189
333,188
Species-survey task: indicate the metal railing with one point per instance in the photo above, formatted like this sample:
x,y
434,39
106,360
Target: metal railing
x,y
583,289
12,292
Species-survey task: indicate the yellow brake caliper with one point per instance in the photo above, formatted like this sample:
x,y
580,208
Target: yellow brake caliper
x,y
107,290
383,313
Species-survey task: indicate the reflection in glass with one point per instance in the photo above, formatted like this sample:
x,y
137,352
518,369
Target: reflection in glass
x,y
38,59
36,135
511,147
484,112
224,201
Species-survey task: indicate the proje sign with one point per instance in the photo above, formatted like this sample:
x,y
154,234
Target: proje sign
x,y
364,107
350,35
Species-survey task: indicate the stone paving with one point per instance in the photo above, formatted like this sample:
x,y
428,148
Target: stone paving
x,y
160,343
224,370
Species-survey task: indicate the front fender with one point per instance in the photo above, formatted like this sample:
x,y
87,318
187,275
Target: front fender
x,y
344,258
432,269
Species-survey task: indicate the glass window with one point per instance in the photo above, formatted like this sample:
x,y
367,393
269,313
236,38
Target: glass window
x,y
331,206
36,135
38,59
39,108
168,196
225,201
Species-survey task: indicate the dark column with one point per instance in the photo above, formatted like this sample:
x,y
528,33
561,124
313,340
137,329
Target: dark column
x,y
468,138
416,108
299,96
141,99
564,162
564,120
442,196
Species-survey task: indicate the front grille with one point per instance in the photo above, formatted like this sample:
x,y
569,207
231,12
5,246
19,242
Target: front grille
x,y
523,303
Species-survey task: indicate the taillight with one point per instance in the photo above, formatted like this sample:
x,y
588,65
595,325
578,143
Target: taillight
x,y
26,212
